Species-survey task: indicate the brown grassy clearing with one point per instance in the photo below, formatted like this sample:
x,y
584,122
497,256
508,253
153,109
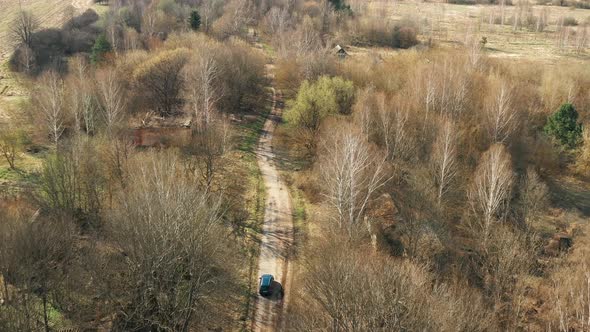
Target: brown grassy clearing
x,y
449,24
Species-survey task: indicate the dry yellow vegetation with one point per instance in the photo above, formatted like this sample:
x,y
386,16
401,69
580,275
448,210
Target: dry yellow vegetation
x,y
449,24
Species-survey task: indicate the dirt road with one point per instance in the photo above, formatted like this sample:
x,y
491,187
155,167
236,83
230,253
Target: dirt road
x,y
277,236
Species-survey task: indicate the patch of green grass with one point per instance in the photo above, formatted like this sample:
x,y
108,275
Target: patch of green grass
x,y
250,132
100,9
300,216
269,50
17,175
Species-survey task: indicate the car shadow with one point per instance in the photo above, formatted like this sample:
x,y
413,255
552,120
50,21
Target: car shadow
x,y
277,292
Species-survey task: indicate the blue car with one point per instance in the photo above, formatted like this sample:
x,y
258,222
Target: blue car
x,y
265,284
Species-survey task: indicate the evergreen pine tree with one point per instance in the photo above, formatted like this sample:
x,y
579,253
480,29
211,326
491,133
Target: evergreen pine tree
x,y
563,126
195,20
100,49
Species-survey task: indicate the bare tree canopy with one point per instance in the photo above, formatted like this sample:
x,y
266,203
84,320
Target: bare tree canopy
x,y
490,191
178,261
501,118
22,28
50,101
444,158
112,98
162,77
352,172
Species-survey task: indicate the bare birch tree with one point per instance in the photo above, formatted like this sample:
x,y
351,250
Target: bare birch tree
x,y
352,173
49,99
392,123
501,118
445,89
490,191
444,158
203,91
81,100
112,98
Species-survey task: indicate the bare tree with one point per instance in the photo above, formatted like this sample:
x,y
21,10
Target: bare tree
x,y
393,127
113,28
445,89
26,58
490,191
149,20
474,55
363,110
10,144
534,196
507,256
204,89
35,252
162,80
501,118
208,11
237,14
23,27
570,300
444,158
364,291
49,99
112,98
352,173
81,99
207,147
277,21
180,259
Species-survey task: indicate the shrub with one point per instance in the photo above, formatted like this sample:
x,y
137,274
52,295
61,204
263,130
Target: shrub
x,y
340,5
400,35
100,49
570,21
404,37
326,96
563,126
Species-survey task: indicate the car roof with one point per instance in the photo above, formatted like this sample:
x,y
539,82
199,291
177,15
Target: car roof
x,y
266,278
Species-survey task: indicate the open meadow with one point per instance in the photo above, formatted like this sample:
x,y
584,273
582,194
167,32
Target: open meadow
x,y
529,32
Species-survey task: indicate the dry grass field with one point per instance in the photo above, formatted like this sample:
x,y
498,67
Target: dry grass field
x,y
51,13
449,24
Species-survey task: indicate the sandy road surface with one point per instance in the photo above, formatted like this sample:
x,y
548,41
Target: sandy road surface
x,y
277,236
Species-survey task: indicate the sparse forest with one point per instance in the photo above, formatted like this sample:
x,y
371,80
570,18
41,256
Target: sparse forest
x,y
394,165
